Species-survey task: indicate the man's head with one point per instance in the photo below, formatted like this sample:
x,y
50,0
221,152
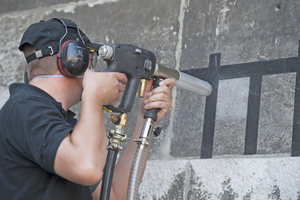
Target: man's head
x,y
61,37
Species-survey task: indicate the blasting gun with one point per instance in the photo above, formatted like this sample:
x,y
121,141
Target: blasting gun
x,y
139,65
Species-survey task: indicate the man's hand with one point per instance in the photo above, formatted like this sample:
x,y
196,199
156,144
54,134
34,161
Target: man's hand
x,y
105,87
159,97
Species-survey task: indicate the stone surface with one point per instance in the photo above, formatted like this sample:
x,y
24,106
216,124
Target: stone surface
x,y
231,117
188,125
15,6
183,33
276,114
226,179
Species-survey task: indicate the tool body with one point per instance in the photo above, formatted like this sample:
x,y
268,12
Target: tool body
x,y
139,65
135,63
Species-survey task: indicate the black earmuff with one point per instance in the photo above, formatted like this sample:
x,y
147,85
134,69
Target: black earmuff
x,y
73,58
73,55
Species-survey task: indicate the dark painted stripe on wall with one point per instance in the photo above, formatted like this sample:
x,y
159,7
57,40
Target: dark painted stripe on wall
x,y
296,121
210,107
254,70
252,115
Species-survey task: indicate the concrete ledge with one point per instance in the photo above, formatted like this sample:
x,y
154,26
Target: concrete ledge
x,y
227,179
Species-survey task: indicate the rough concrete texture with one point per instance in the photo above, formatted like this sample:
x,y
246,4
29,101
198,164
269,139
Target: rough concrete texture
x,y
262,178
276,116
231,117
183,33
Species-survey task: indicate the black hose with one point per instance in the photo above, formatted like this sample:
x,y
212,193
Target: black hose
x,y
108,174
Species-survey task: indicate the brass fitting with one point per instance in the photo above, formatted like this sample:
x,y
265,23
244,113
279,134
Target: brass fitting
x,y
117,134
142,88
119,120
123,121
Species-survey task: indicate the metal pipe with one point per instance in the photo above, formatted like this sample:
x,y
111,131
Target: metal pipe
x,y
138,160
150,117
183,80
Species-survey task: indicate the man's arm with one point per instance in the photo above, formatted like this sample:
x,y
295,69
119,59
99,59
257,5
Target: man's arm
x,y
157,98
81,155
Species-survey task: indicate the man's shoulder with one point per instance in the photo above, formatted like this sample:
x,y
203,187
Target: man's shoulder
x,y
26,96
26,90
25,99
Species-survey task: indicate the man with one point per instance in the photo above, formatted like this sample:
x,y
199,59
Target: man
x,y
44,153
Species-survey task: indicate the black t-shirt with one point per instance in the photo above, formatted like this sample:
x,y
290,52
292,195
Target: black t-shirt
x,y
32,126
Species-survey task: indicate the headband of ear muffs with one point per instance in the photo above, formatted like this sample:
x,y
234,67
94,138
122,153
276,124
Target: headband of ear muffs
x,y
73,58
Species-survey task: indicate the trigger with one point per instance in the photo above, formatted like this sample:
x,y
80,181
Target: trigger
x,y
106,109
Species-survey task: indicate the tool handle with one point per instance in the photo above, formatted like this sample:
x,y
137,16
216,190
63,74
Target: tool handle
x,y
152,113
128,96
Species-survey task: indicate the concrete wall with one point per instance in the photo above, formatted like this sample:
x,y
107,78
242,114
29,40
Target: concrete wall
x,y
183,34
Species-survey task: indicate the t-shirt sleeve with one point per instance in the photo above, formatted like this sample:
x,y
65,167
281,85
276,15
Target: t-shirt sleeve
x,y
39,130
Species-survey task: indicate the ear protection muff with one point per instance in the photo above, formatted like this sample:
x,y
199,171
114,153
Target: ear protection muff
x,y
73,58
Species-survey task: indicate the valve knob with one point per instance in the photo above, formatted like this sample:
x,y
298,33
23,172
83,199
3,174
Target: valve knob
x,y
157,131
115,119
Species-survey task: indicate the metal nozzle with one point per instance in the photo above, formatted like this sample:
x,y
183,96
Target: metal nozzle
x,y
185,81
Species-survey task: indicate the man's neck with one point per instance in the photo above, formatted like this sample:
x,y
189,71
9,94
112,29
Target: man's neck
x,y
62,89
